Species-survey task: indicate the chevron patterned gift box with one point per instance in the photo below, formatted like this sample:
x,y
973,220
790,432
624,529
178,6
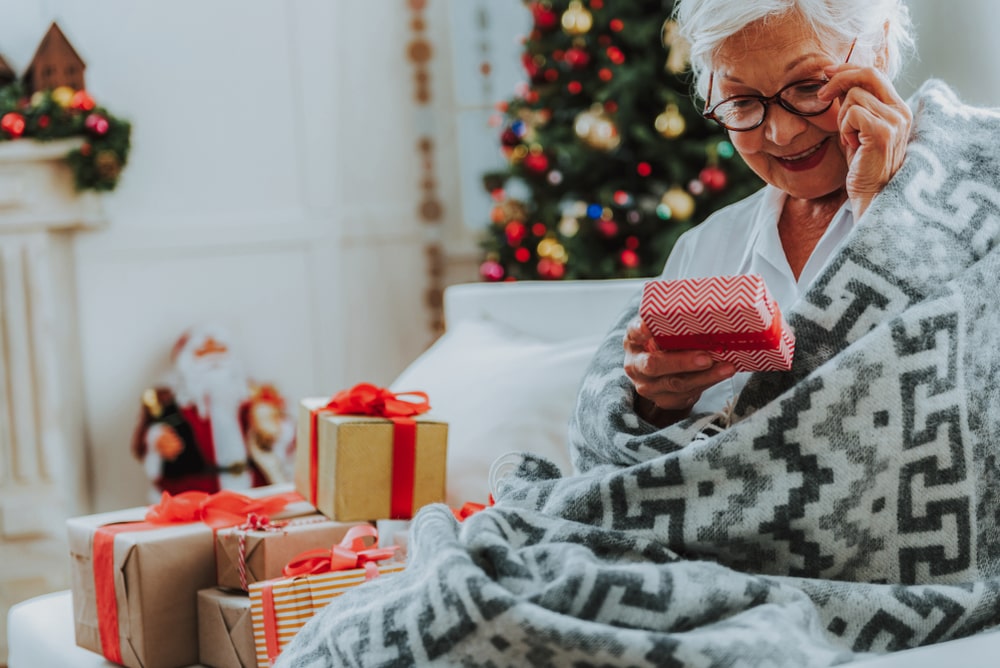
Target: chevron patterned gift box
x,y
733,318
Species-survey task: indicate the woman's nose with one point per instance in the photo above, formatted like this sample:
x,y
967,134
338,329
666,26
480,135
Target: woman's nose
x,y
781,126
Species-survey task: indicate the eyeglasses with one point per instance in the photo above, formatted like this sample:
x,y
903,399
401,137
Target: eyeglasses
x,y
742,113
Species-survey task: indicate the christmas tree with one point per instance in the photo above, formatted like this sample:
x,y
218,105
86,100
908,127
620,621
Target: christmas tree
x,y
608,158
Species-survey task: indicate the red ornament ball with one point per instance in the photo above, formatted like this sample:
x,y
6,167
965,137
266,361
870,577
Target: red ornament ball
x,y
531,68
577,58
515,232
81,101
550,269
630,258
607,228
615,55
713,178
545,18
643,169
522,254
491,270
574,87
539,229
96,124
13,124
616,25
605,74
509,138
536,162
43,121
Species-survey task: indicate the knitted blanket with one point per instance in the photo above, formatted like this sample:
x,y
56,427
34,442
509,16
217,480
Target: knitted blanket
x,y
847,507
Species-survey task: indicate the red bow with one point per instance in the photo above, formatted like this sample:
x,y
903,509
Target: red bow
x,y
368,399
350,553
222,509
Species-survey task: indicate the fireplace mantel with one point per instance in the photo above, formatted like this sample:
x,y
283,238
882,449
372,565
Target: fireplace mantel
x,y
37,191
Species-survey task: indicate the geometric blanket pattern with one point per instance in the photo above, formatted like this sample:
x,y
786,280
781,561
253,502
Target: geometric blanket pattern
x,y
848,506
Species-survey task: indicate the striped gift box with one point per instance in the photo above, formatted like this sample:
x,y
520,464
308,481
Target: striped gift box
x,y
294,601
733,318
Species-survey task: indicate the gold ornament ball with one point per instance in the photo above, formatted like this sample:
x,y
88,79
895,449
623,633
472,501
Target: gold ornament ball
x,y
568,227
597,129
63,96
670,123
680,203
577,20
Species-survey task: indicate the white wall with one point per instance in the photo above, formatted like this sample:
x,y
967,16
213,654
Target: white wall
x,y
957,42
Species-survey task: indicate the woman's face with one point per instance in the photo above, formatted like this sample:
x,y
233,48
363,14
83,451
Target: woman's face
x,y
798,154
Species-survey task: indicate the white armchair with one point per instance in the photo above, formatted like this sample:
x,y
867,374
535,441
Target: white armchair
x,y
505,375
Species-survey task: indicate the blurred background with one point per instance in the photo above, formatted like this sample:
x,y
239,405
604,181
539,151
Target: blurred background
x,y
308,173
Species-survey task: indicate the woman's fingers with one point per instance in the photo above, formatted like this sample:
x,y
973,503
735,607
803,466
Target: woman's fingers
x,y
874,126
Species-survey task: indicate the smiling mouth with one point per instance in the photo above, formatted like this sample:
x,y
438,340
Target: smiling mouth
x,y
805,154
806,160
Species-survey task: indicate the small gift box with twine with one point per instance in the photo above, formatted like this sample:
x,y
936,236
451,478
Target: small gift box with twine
x,y
136,573
369,454
259,548
280,608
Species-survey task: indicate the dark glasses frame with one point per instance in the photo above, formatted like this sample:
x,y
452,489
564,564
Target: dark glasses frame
x,y
765,100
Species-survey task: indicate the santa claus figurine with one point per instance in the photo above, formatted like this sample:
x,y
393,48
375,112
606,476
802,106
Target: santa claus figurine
x,y
208,427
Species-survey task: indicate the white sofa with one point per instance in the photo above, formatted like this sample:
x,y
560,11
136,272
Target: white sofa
x,y
507,368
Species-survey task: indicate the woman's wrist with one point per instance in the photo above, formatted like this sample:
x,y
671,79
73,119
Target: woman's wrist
x,y
656,416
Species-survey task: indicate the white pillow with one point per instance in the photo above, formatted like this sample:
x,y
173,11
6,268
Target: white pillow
x,y
500,391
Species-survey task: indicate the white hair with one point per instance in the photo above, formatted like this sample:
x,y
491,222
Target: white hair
x,y
877,24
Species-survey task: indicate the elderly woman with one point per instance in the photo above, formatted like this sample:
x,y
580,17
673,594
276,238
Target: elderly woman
x,y
849,506
805,90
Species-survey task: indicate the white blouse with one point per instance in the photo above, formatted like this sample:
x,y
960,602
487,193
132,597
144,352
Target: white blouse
x,y
743,239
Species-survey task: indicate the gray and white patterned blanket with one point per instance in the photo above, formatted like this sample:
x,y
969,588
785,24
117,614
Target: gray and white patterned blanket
x,y
851,508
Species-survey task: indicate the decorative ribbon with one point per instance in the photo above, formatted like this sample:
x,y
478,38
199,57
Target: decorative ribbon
x,y
367,399
350,553
222,509
718,342
468,509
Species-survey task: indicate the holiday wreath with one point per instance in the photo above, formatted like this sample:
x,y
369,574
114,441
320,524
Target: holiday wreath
x,y
61,113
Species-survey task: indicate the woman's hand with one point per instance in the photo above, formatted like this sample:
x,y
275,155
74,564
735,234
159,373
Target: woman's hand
x,y
874,129
670,382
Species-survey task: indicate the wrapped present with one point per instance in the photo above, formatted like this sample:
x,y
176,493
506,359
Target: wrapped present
x,y
259,548
368,454
733,318
136,573
225,629
279,608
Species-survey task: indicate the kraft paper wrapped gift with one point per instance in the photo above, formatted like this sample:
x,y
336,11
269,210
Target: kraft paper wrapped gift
x,y
225,629
353,467
733,318
135,583
270,546
280,608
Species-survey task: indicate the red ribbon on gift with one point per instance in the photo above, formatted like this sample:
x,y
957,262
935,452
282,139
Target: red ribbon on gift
x,y
367,399
351,553
222,509
764,339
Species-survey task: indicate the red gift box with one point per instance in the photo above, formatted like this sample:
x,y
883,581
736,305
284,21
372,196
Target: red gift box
x,y
733,318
